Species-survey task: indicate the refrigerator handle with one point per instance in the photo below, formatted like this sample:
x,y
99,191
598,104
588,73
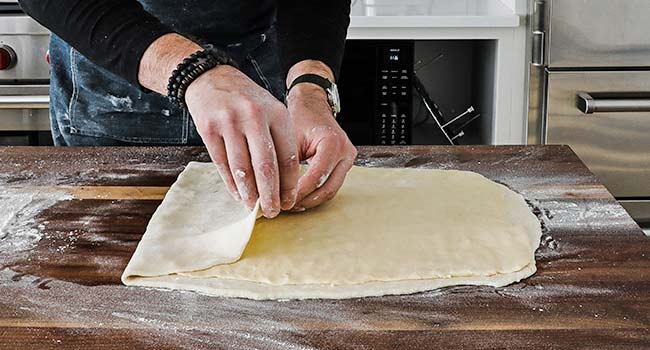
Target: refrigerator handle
x,y
588,104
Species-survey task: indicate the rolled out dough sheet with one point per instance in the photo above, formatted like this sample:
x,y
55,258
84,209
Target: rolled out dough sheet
x,y
388,231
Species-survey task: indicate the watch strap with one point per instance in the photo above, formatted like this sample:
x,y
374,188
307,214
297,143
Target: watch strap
x,y
324,83
311,78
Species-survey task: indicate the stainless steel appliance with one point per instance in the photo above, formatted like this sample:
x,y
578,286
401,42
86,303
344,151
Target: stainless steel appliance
x,y
24,78
590,89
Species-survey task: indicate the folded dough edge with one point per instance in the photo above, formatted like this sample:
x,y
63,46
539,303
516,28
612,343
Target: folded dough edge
x,y
162,251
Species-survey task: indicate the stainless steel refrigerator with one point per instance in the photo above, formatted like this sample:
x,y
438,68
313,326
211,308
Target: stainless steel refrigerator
x,y
590,89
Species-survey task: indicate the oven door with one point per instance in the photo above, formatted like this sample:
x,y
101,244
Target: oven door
x,y
605,117
24,108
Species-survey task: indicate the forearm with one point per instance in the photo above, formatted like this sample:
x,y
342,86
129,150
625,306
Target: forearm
x,y
161,58
113,34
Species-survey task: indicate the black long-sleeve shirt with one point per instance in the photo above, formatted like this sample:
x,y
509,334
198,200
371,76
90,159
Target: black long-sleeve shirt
x,y
115,33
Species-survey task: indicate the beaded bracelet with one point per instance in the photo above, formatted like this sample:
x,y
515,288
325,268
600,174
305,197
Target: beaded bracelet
x,y
191,68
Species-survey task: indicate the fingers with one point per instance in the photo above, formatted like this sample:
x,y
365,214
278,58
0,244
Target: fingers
x,y
239,161
288,163
329,189
265,167
244,150
234,117
217,150
320,168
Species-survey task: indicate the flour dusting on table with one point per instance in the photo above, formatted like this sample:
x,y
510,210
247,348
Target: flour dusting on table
x,y
18,208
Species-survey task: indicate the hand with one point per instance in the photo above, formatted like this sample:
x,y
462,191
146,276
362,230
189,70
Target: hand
x,y
322,143
249,136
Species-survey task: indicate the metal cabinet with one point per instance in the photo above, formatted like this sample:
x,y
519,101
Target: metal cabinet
x,y
605,117
590,89
597,33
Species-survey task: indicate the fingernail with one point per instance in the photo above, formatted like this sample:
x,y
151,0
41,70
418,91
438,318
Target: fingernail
x,y
287,203
290,200
298,209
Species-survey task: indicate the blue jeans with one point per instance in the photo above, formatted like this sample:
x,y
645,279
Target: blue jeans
x,y
93,107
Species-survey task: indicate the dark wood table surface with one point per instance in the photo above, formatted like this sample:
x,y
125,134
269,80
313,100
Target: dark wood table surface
x,y
82,211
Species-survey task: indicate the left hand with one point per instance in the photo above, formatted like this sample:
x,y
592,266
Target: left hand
x,y
322,143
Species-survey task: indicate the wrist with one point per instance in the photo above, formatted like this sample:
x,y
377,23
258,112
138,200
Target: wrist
x,y
309,66
206,81
306,91
193,67
328,90
308,97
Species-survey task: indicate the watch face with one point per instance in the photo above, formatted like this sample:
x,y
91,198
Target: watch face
x,y
333,97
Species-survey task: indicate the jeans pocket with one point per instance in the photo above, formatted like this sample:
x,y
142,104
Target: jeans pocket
x,y
104,105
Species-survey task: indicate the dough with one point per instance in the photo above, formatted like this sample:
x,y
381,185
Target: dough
x,y
388,231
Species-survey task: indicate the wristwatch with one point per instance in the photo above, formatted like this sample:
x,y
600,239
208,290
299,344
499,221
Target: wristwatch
x,y
330,89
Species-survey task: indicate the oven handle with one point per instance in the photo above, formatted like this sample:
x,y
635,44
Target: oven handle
x,y
588,104
24,101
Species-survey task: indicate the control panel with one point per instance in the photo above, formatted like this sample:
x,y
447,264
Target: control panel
x,y
394,93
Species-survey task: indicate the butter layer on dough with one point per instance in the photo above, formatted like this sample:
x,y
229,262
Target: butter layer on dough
x,y
388,231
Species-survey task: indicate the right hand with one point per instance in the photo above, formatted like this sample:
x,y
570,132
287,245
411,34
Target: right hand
x,y
249,136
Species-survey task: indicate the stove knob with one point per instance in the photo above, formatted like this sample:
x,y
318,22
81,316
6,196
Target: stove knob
x,y
7,57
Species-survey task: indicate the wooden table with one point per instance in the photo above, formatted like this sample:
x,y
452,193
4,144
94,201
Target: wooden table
x,y
85,209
